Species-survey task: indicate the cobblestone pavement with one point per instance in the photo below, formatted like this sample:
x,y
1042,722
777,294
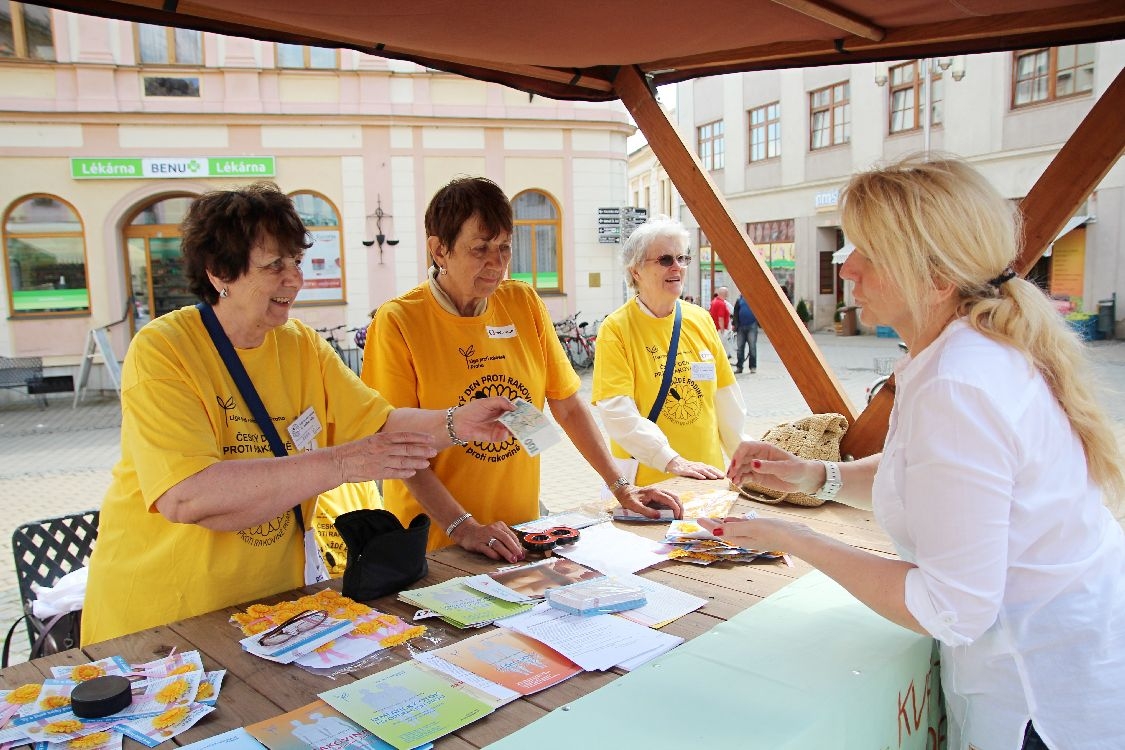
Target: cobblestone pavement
x,y
57,460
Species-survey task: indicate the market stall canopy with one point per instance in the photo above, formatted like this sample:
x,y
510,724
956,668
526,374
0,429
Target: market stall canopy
x,y
599,50
573,49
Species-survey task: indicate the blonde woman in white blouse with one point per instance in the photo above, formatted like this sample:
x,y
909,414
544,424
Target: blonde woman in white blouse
x,y
994,478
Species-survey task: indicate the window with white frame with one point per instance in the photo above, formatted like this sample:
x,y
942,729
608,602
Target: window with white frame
x,y
765,132
830,117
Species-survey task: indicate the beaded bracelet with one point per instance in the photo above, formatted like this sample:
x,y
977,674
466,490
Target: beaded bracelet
x,y
457,522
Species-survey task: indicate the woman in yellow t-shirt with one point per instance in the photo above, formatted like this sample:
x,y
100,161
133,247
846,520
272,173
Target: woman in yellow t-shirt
x,y
201,514
466,333
702,412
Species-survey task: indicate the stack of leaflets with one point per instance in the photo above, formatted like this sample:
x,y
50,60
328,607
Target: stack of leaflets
x,y
695,544
507,658
530,583
409,704
461,605
169,696
321,631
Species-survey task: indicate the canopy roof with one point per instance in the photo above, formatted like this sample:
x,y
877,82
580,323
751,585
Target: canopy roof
x,y
608,49
573,49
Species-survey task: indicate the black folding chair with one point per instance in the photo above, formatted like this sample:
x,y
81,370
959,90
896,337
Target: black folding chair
x,y
45,551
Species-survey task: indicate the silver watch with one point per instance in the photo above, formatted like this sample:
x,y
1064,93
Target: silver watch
x,y
832,482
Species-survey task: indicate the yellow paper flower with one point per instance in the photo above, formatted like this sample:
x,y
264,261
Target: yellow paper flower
x,y
90,740
172,692
24,693
403,637
259,626
365,628
356,610
171,717
257,610
205,691
182,669
329,594
65,726
84,672
55,701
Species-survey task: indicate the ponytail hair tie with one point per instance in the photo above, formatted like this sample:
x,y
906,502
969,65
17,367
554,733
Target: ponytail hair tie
x,y
1006,275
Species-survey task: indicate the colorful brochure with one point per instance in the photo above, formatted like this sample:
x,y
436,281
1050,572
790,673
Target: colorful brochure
x,y
407,705
316,726
510,659
460,605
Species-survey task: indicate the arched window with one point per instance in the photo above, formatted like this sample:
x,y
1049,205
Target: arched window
x,y
324,261
45,254
153,261
537,241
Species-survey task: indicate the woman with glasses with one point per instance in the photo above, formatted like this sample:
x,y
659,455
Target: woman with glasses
x,y
212,502
465,333
681,424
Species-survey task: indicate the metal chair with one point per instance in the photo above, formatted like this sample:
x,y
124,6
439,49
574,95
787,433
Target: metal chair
x,y
44,552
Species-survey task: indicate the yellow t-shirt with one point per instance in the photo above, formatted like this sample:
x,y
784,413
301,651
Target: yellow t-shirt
x,y
418,354
181,412
632,354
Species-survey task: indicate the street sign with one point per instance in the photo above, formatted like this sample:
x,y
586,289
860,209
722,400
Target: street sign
x,y
609,219
614,211
606,240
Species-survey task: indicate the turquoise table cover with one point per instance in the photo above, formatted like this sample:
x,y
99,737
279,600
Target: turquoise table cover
x,y
808,668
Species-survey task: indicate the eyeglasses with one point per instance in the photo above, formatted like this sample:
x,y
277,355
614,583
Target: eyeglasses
x,y
667,260
292,627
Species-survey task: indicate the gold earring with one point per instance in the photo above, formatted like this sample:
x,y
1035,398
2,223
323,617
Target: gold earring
x,y
443,272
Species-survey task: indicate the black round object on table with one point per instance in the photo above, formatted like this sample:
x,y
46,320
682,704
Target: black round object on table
x,y
101,696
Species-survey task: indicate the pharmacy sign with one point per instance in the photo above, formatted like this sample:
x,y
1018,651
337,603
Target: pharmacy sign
x,y
164,168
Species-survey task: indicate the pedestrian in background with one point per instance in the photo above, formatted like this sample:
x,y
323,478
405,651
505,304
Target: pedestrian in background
x,y
720,313
746,336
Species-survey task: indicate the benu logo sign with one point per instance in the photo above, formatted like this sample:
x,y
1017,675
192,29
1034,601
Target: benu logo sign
x,y
147,168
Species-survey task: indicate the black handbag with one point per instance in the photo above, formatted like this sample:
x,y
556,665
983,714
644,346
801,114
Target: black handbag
x,y
383,557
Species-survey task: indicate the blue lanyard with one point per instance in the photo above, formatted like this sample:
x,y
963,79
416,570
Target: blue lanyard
x,y
669,367
246,388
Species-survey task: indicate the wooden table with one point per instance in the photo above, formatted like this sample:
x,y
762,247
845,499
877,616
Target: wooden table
x,y
255,689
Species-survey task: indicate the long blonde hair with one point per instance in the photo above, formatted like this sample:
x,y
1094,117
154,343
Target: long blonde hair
x,y
937,223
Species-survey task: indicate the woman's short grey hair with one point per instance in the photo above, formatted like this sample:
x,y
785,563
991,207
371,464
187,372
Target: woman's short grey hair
x,y
636,247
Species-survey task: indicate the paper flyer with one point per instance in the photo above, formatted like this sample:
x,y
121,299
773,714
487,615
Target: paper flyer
x,y
235,739
316,726
406,705
460,605
510,659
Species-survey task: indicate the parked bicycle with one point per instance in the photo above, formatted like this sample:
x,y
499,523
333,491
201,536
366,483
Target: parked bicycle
x,y
884,368
353,358
577,343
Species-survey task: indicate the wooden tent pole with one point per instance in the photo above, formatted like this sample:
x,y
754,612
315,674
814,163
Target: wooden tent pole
x,y
1070,178
816,382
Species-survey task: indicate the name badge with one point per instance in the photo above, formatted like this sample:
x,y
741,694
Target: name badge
x,y
304,429
501,332
701,371
705,355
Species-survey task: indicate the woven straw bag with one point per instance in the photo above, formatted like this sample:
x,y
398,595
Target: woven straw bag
x,y
815,437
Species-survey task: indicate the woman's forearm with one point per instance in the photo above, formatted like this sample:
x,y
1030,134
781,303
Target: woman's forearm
x,y
235,495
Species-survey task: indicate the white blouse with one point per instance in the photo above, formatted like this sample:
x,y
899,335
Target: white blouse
x,y
1021,568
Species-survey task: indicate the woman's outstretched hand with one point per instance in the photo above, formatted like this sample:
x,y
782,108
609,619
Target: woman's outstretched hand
x,y
770,466
384,455
476,420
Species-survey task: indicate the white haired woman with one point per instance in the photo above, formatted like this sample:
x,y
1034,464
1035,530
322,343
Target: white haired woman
x,y
694,408
992,479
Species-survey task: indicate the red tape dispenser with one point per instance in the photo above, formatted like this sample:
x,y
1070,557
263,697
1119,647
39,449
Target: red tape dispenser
x,y
545,541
